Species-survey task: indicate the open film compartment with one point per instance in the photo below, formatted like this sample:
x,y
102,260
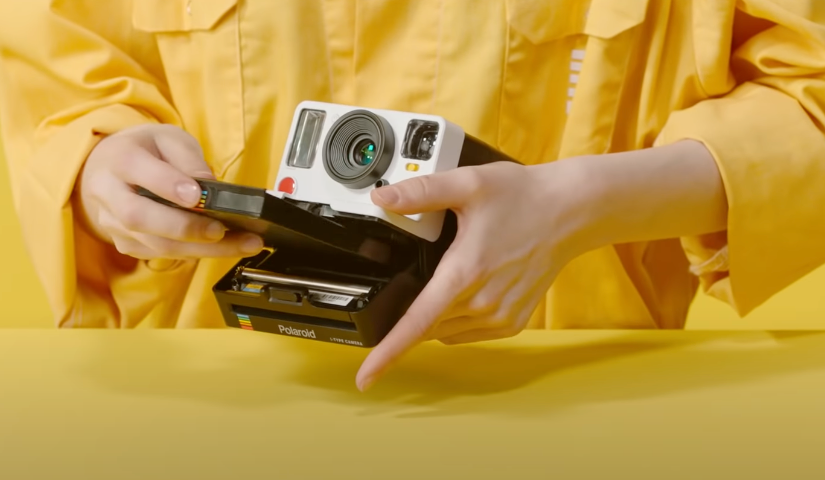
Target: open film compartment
x,y
363,321
296,311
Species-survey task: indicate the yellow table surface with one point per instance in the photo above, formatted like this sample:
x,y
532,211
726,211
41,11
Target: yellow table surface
x,y
229,404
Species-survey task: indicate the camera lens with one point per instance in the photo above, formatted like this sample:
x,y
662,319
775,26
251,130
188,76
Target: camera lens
x,y
364,153
358,149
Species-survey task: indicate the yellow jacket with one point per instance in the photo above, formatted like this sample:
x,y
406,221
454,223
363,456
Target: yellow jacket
x,y
540,79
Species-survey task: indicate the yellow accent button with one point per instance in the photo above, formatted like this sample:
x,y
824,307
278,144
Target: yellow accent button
x,y
412,167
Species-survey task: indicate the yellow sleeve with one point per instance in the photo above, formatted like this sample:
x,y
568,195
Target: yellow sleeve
x,y
62,87
768,141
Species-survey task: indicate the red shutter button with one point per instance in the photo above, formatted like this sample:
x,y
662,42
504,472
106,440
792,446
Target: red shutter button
x,y
287,186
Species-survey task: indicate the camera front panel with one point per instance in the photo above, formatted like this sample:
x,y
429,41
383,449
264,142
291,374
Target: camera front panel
x,y
337,154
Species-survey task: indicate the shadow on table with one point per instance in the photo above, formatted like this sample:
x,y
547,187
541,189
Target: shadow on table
x,y
436,380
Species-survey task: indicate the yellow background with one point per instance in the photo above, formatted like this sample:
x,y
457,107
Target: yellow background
x,y
800,307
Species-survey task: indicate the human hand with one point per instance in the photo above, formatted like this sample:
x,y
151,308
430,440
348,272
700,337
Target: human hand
x,y
517,227
164,160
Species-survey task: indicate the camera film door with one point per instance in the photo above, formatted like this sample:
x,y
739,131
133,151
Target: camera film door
x,y
280,222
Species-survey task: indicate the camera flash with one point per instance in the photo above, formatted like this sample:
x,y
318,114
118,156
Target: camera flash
x,y
412,167
307,136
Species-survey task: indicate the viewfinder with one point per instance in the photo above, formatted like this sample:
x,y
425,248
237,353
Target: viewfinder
x,y
419,141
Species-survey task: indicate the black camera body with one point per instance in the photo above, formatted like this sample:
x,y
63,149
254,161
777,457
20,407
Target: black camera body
x,y
336,267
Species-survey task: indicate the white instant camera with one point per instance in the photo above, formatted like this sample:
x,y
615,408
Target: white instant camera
x,y
337,154
337,268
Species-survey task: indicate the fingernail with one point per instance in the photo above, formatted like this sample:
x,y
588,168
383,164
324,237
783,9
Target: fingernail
x,y
388,196
215,231
366,384
206,175
189,193
252,244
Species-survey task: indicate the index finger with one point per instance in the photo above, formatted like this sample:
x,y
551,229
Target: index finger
x,y
451,189
414,327
142,169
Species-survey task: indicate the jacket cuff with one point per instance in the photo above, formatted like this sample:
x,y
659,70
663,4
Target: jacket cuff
x,y
771,157
55,165
43,190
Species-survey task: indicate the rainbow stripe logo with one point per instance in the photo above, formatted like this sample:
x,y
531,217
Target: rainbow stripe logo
x,y
202,202
246,324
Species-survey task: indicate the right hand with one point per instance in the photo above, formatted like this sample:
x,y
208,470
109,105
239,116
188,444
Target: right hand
x,y
164,160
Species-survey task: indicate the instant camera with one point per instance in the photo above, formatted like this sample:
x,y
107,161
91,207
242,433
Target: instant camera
x,y
337,268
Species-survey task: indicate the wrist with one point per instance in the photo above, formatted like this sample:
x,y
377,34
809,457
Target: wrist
x,y
574,196
645,195
599,192
85,212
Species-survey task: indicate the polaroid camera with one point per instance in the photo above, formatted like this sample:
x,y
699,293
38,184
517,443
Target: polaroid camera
x,y
338,268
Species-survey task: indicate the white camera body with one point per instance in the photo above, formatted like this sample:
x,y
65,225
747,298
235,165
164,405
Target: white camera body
x,y
336,155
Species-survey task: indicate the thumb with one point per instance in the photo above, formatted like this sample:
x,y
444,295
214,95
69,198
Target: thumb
x,y
181,150
429,193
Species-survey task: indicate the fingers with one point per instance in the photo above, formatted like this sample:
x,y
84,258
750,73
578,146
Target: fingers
x,y
142,215
128,246
481,335
162,159
414,327
506,318
165,161
232,245
158,177
182,150
144,237
145,246
458,325
428,193
375,250
480,329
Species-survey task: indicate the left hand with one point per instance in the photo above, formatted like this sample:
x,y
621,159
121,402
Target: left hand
x,y
517,227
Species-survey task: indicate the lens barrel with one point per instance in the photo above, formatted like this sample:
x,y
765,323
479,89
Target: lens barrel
x,y
358,149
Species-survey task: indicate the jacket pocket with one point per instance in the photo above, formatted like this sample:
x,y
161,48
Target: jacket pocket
x,y
558,52
199,42
542,21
